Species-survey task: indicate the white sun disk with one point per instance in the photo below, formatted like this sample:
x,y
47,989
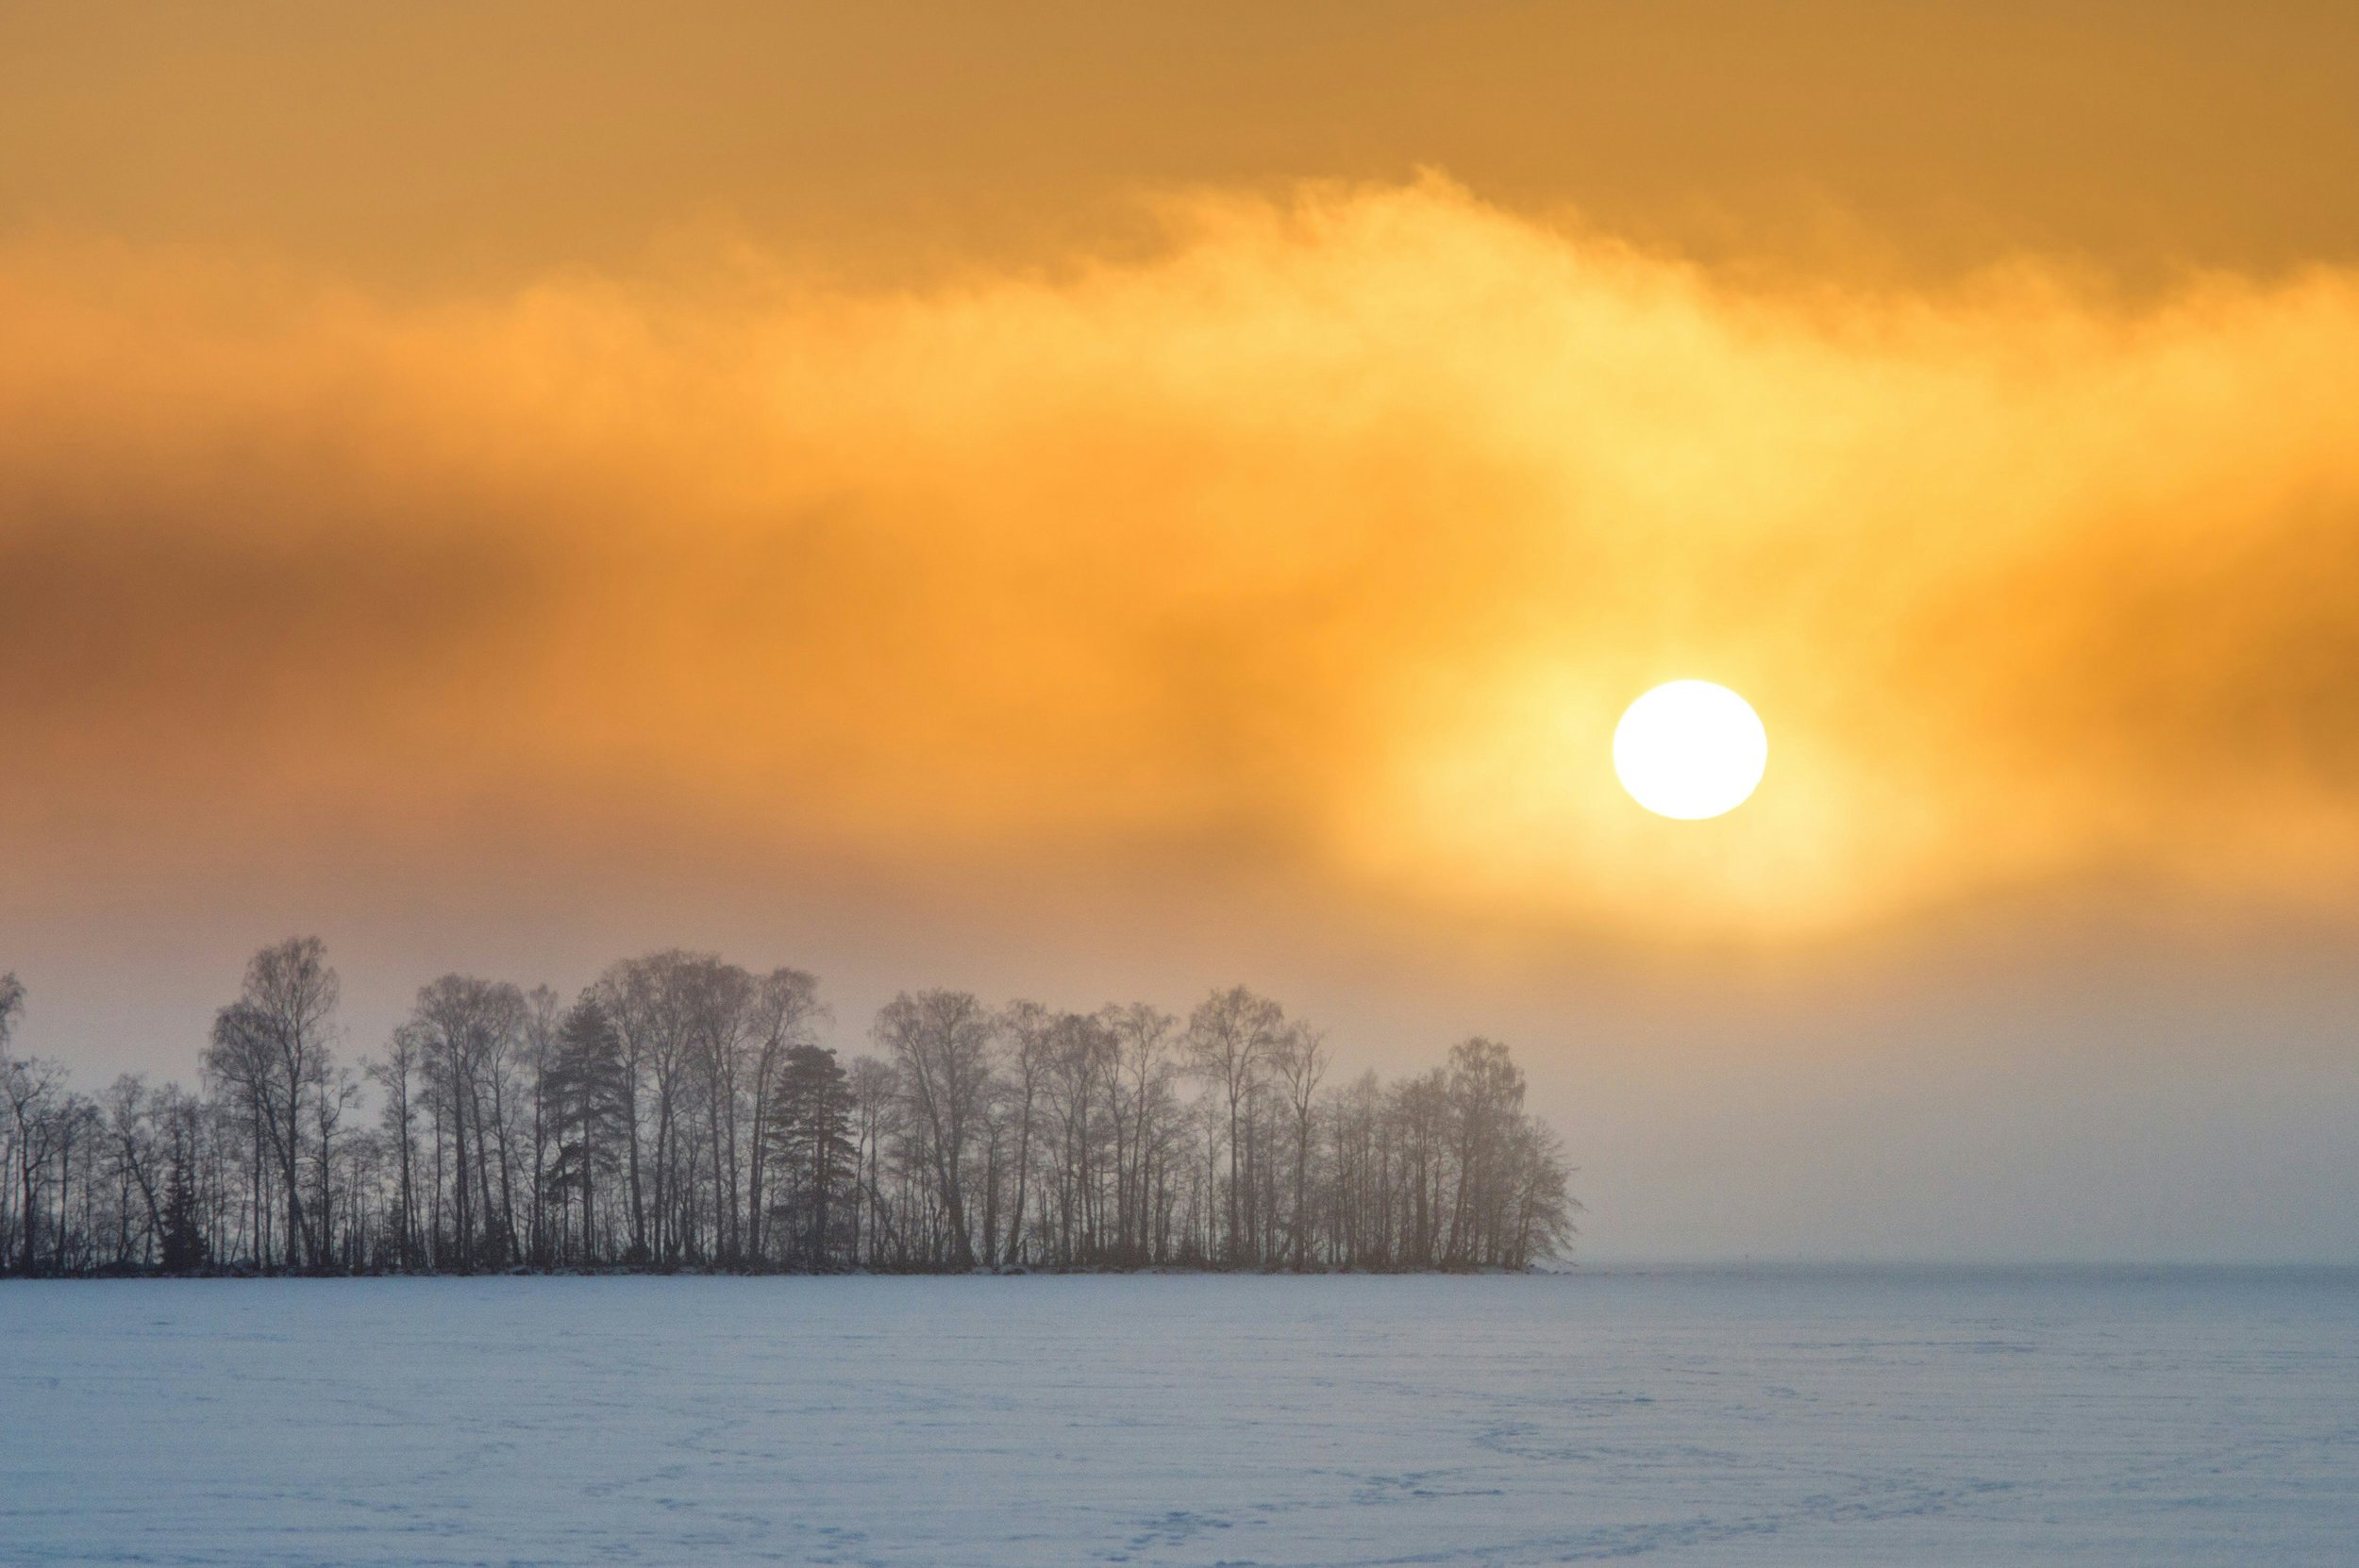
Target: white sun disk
x,y
1690,750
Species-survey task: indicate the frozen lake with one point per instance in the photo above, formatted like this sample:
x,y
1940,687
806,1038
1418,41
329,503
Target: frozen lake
x,y
1807,1417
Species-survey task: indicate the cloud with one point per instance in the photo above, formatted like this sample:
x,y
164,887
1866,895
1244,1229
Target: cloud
x,y
1329,539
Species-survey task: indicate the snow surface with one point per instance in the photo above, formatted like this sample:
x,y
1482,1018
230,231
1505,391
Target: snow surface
x,y
1801,1417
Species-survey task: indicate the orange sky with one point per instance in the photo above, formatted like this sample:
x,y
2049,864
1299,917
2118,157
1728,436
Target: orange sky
x,y
1086,504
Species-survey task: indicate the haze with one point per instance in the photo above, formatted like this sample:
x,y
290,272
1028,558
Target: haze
x,y
1087,507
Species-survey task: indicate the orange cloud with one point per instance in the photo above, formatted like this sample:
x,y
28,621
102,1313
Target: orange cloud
x,y
1331,536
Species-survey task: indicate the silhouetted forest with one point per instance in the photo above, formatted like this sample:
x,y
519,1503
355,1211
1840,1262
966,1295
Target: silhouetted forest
x,y
680,1113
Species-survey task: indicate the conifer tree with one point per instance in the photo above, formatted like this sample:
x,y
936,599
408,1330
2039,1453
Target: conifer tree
x,y
586,1097
185,1250
813,1148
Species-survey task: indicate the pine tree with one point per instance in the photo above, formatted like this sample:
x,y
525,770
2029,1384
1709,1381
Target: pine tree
x,y
812,1143
185,1247
586,1092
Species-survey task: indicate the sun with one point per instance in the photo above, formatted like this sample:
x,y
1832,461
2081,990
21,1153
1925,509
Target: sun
x,y
1690,750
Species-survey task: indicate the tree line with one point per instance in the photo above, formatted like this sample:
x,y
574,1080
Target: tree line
x,y
681,1113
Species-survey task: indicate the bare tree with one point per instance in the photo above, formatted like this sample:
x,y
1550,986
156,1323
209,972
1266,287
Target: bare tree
x,y
649,1000
876,1097
1231,1036
1028,1031
468,1027
542,1019
337,1091
132,1140
31,1089
941,1041
396,1073
1486,1100
717,1007
630,996
1139,1085
1301,1059
272,1044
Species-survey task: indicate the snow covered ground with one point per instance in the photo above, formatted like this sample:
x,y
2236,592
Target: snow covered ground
x,y
1698,1417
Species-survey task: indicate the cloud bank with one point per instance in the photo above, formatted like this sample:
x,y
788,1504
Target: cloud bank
x,y
1326,542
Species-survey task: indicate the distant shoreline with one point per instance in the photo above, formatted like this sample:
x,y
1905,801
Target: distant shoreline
x,y
1798,1270
624,1271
